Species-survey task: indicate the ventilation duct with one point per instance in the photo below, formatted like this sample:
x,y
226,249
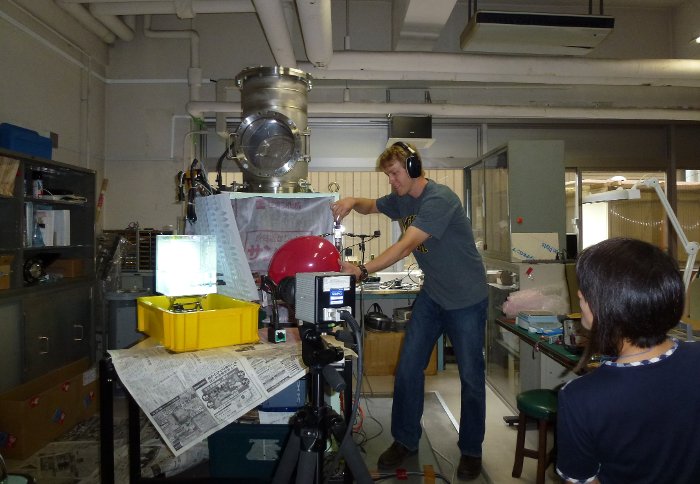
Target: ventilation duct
x,y
416,130
534,33
271,143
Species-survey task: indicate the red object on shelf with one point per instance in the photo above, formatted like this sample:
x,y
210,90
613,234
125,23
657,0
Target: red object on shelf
x,y
309,253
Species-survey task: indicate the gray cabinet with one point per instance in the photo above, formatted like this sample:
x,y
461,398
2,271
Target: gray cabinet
x,y
46,290
515,196
515,191
10,343
58,328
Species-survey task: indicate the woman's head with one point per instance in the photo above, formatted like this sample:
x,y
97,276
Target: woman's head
x,y
634,292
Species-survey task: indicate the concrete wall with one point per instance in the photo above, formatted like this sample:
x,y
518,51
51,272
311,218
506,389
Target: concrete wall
x,y
53,80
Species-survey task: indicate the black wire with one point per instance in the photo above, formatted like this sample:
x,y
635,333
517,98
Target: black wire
x,y
191,212
362,242
269,286
219,164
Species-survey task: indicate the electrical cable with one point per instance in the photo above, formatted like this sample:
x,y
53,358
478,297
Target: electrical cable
x,y
354,326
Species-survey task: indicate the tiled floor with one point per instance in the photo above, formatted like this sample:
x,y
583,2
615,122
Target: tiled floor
x,y
499,444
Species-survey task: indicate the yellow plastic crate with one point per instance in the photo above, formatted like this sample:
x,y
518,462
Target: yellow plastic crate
x,y
223,321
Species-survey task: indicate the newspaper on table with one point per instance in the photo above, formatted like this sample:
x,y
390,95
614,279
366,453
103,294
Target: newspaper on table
x,y
189,396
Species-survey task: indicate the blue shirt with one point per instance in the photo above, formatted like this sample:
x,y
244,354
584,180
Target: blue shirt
x,y
454,274
633,423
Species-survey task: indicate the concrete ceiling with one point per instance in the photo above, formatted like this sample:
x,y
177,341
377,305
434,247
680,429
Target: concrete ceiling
x,y
413,60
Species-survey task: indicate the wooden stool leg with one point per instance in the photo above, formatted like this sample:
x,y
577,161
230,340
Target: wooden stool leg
x,y
520,446
542,461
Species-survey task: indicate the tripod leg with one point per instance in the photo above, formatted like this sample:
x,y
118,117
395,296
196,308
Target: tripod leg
x,y
288,461
348,449
354,460
308,467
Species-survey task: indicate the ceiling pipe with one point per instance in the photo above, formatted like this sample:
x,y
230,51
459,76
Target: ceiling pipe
x,y
79,13
391,66
463,111
271,15
427,66
135,7
194,73
113,23
317,30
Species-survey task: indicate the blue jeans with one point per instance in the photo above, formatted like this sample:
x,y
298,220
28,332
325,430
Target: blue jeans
x,y
465,327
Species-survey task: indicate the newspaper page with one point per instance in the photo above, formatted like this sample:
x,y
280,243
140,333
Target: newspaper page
x,y
188,396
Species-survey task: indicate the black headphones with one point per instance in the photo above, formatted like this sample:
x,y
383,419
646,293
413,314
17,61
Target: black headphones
x,y
414,166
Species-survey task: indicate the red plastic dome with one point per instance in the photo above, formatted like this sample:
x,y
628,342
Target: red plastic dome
x,y
309,253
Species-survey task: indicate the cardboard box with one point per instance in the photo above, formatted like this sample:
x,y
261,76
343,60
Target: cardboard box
x,y
382,350
39,411
67,267
5,270
89,393
8,175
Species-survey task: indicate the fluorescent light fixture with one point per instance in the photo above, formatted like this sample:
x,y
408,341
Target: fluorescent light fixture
x,y
185,265
613,195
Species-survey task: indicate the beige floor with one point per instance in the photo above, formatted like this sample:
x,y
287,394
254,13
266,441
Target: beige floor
x,y
499,444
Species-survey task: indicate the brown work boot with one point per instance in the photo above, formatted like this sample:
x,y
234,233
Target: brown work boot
x,y
394,455
469,467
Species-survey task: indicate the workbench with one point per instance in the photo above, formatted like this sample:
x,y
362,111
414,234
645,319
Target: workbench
x,y
388,300
519,360
109,379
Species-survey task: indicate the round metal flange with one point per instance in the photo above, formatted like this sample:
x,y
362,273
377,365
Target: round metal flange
x,y
268,144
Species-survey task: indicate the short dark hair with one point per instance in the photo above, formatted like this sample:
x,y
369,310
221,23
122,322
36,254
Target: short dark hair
x,y
635,292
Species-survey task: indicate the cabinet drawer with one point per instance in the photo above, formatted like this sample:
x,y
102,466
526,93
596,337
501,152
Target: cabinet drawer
x,y
57,328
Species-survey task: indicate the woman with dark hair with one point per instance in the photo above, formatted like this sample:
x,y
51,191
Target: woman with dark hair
x,y
635,419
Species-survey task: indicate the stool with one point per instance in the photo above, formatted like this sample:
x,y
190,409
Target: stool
x,y
539,405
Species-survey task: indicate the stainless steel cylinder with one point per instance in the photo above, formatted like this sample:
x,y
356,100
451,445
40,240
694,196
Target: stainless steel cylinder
x,y
273,136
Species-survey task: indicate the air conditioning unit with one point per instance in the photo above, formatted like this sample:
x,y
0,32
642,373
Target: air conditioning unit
x,y
534,33
416,130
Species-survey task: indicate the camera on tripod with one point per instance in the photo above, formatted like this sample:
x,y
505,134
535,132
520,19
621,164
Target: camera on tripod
x,y
322,300
320,297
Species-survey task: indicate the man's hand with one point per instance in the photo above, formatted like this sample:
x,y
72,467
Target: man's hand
x,y
342,208
348,268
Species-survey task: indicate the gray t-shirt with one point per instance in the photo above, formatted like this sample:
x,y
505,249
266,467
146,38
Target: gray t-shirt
x,y
454,272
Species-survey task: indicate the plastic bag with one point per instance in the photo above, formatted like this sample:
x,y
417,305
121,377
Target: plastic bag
x,y
541,299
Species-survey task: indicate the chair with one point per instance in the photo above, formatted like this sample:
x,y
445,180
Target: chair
x,y
539,405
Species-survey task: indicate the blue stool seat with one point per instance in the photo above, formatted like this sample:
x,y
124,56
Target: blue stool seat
x,y
539,405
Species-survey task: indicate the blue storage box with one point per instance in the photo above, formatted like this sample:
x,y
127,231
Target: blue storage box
x,y
25,141
290,399
247,452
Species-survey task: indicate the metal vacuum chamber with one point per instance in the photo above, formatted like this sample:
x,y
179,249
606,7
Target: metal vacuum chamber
x,y
272,142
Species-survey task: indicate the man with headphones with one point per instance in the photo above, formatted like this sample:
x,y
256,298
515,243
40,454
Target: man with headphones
x,y
453,301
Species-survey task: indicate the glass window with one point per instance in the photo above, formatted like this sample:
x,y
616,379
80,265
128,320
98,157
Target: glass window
x,y
642,218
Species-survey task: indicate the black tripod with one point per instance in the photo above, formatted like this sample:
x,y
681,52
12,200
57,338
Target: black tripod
x,y
314,424
361,244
